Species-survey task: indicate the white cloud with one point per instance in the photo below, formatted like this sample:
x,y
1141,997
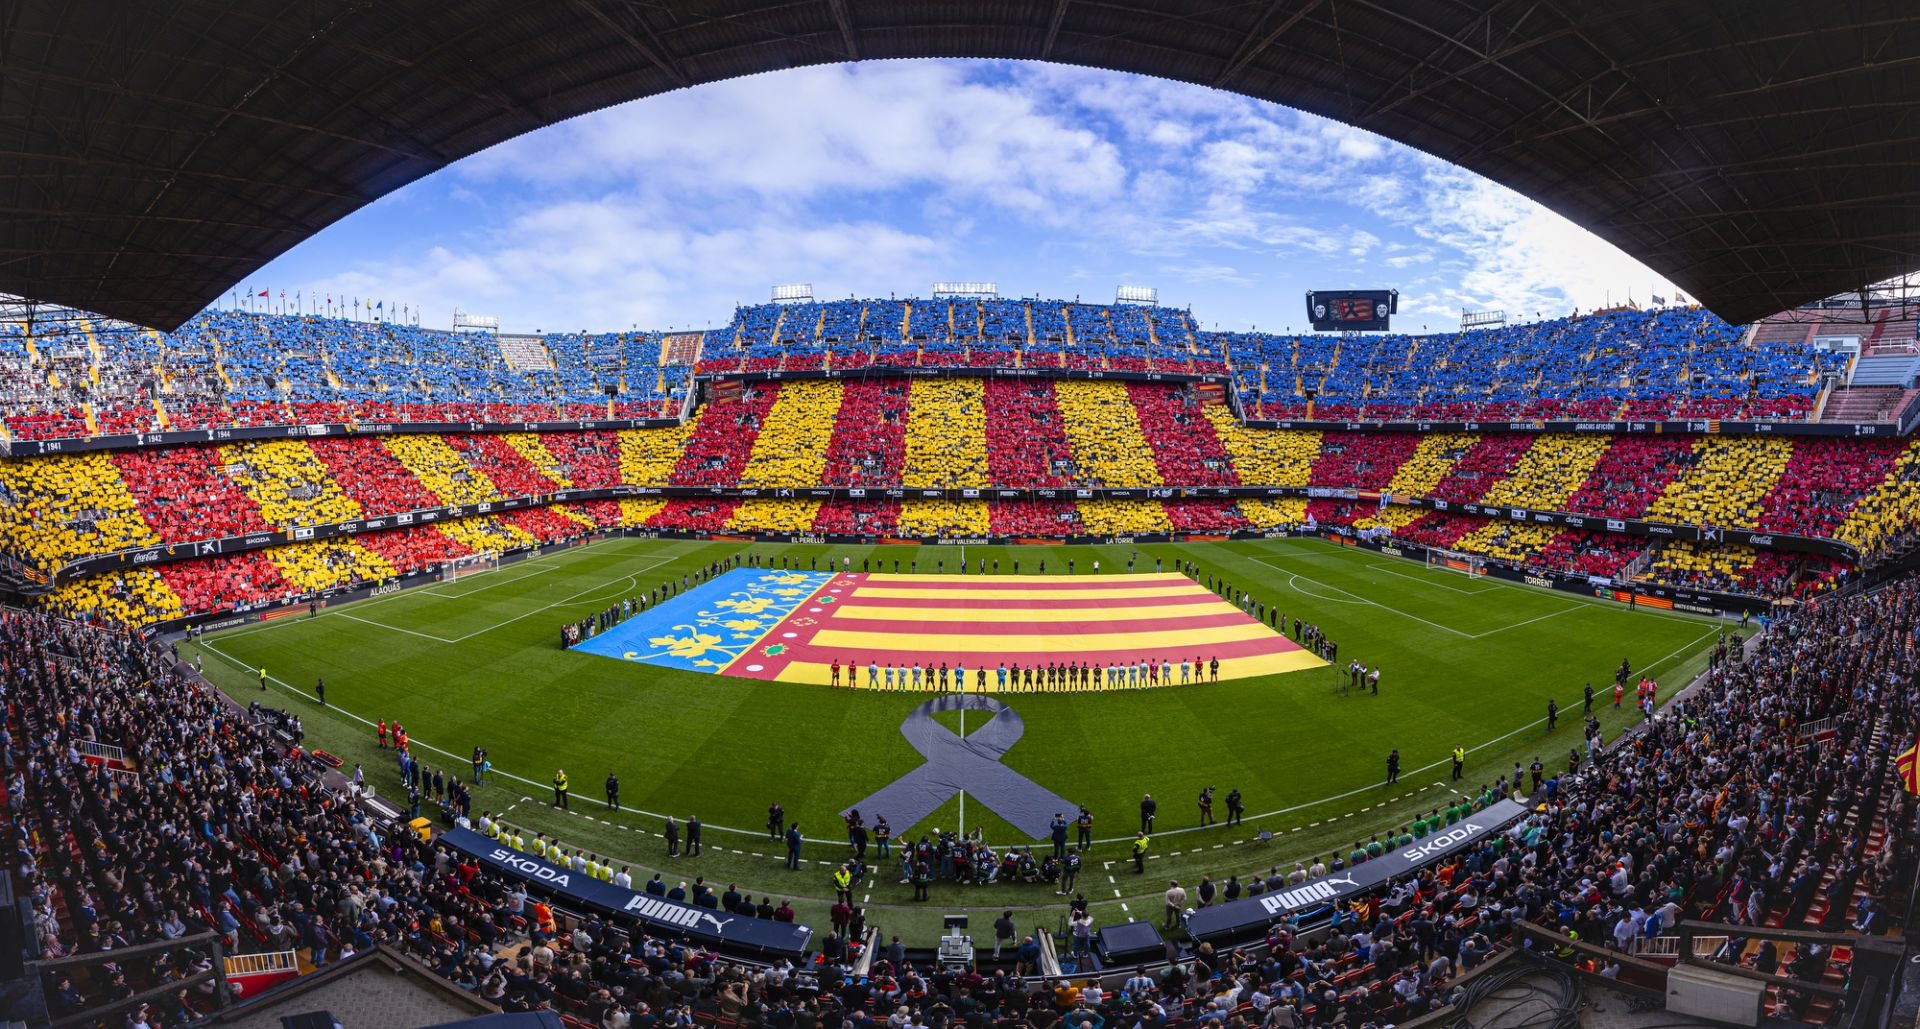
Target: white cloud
x,y
610,264
883,177
799,134
1519,256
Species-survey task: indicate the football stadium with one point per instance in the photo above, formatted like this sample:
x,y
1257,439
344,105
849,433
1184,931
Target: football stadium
x,y
946,653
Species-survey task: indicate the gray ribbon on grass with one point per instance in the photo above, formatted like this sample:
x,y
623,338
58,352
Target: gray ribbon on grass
x,y
971,763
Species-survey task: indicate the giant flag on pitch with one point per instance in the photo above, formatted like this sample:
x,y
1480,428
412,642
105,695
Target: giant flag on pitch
x,y
794,626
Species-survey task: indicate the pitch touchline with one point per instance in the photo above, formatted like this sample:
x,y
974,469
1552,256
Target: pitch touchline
x,y
1416,771
442,589
632,579
1323,547
1577,598
1293,580
235,662
1383,566
1357,599
1364,600
361,604
1530,621
1423,580
393,628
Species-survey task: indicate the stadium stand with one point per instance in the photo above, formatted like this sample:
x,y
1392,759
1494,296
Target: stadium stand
x,y
953,518
1634,471
1042,519
1548,472
1026,437
1724,482
761,514
228,368
946,432
946,443
787,451
63,507
868,445
99,685
1180,438
722,440
232,368
1109,447
896,432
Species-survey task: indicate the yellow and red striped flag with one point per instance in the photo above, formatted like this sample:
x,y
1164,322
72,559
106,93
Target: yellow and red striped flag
x,y
984,621
1908,764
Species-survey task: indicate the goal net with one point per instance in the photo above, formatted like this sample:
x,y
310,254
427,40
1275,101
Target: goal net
x,y
473,564
1454,560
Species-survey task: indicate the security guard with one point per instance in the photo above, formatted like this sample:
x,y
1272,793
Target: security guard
x,y
843,884
1140,843
560,788
1459,761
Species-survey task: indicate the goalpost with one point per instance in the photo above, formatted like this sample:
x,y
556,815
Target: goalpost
x,y
1454,560
472,564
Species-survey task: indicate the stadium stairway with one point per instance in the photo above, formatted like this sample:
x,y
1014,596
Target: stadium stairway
x,y
1901,370
1866,403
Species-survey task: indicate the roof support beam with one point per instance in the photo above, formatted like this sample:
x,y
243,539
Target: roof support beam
x,y
841,18
1252,46
1053,28
654,57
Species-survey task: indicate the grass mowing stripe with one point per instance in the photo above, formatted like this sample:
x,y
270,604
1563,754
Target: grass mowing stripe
x,y
447,591
724,748
393,628
1357,599
1386,569
1308,805
1530,621
1321,548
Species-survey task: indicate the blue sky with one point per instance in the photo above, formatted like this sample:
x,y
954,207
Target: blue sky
x,y
883,178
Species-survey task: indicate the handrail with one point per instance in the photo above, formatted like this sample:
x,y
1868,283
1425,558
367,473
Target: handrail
x,y
864,964
270,961
1049,955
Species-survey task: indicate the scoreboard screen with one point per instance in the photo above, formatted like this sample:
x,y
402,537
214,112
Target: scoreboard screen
x,y
1351,310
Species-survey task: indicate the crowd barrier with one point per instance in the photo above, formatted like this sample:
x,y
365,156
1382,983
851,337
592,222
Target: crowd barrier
x,y
1239,921
1668,427
183,437
188,437
756,938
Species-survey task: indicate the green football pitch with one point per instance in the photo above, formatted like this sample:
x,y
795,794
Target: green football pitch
x,y
476,662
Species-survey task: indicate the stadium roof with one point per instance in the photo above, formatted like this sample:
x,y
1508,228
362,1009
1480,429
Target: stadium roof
x,y
1759,155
